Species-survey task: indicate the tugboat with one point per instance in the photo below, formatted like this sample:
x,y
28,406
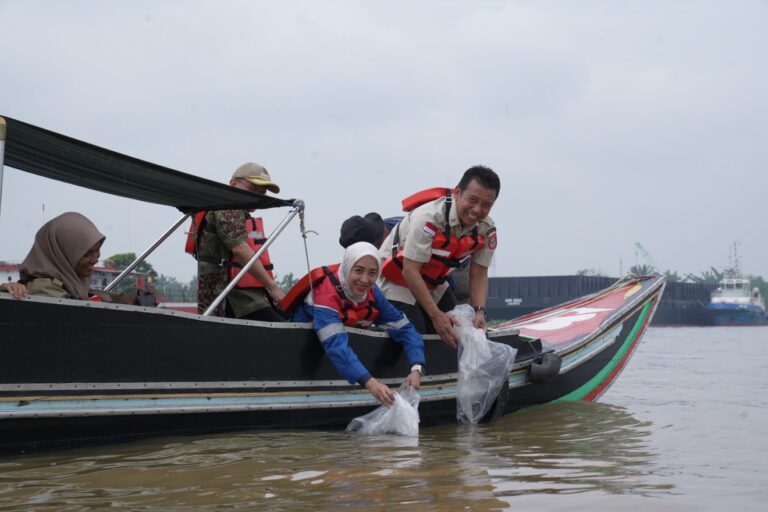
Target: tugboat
x,y
735,302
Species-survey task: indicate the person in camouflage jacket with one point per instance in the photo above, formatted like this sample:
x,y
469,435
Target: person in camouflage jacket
x,y
227,237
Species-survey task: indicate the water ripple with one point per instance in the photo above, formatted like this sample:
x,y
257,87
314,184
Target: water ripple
x,y
655,437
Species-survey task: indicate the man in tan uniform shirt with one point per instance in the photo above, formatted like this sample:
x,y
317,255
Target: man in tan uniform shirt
x,y
426,308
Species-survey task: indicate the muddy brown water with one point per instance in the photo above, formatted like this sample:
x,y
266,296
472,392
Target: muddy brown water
x,y
685,427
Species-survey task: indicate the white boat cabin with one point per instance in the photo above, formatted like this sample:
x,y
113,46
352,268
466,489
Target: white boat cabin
x,y
737,291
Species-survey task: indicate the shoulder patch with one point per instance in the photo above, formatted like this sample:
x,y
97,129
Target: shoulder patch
x,y
430,229
491,239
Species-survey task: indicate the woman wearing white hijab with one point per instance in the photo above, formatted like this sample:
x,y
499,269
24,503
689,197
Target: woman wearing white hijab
x,y
328,305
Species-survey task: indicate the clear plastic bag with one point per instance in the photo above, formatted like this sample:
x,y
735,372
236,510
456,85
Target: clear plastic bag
x,y
401,418
484,365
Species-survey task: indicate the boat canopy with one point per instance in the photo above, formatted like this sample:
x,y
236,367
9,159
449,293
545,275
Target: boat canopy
x,y
58,157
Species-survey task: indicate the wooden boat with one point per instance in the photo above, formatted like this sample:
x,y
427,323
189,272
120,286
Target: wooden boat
x,y
73,371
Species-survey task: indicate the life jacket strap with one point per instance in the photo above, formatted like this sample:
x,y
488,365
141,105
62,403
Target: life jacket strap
x,y
218,262
396,247
475,238
448,203
434,282
448,262
228,263
340,291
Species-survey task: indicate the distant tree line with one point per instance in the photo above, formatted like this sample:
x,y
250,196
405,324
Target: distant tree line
x,y
172,290
168,288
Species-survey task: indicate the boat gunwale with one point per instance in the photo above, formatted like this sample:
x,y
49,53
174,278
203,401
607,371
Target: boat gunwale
x,y
219,320
445,390
609,322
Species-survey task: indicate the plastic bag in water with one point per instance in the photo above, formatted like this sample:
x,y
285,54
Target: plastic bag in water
x,y
401,418
484,365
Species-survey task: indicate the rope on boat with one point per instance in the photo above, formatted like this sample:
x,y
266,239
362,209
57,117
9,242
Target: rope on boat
x,y
304,232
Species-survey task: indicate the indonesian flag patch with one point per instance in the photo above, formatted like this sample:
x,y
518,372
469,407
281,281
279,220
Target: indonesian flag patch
x,y
430,229
490,237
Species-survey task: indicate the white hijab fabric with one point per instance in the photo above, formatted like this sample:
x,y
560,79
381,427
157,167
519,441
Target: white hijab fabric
x,y
352,255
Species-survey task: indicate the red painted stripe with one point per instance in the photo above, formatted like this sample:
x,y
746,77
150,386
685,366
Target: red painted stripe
x,y
615,373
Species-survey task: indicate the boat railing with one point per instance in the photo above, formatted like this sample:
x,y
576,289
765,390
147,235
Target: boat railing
x,y
298,207
62,158
146,253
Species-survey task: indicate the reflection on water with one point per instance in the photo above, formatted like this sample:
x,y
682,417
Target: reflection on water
x,y
563,448
689,424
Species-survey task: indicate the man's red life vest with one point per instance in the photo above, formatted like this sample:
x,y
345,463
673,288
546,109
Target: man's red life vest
x,y
190,247
448,251
413,201
351,315
255,237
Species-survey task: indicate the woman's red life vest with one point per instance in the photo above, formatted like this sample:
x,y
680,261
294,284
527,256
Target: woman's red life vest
x,y
351,315
448,251
255,237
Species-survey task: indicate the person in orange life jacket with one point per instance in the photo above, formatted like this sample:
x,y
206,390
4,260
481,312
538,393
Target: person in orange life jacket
x,y
459,287
362,229
224,237
426,303
326,306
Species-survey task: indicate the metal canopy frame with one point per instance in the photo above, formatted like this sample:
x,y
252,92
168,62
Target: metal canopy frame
x,y
3,127
146,253
297,208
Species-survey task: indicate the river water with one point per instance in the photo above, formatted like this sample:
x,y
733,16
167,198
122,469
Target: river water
x,y
685,427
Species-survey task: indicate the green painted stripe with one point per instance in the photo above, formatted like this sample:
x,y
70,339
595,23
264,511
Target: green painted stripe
x,y
588,387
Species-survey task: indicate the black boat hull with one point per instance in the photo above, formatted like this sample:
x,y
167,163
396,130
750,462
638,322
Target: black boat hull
x,y
75,372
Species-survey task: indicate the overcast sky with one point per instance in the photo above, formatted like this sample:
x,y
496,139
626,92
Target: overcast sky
x,y
609,122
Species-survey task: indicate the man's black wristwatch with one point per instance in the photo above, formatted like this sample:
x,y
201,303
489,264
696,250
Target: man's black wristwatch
x,y
479,308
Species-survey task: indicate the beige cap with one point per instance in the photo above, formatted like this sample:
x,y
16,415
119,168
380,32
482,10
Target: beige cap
x,y
257,175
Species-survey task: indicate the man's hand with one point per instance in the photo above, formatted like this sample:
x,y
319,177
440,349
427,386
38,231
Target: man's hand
x,y
478,292
479,322
380,392
276,293
444,323
413,380
243,253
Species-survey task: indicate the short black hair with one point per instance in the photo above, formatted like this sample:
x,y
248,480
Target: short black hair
x,y
483,175
362,229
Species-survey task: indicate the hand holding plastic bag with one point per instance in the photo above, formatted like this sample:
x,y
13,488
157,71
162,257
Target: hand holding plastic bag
x,y
484,365
401,418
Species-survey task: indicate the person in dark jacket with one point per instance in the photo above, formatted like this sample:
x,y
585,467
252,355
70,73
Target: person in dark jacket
x,y
369,228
